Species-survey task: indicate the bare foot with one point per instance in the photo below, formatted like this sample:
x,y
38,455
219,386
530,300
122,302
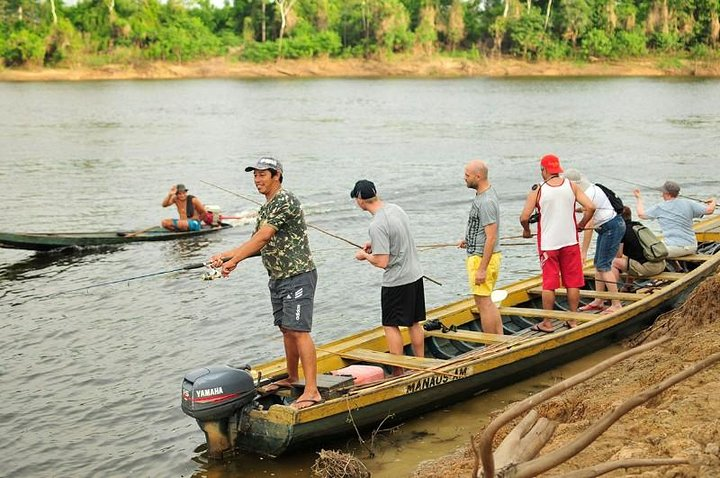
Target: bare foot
x,y
611,309
592,307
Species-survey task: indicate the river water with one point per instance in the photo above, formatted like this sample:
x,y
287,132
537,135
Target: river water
x,y
92,378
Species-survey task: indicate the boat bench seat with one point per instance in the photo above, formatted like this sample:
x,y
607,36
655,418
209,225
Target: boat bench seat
x,y
407,361
693,258
470,336
660,276
594,294
548,314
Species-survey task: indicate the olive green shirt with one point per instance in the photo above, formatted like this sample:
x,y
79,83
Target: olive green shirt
x,y
288,252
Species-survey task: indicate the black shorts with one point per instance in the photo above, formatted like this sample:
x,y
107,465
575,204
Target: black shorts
x,y
403,305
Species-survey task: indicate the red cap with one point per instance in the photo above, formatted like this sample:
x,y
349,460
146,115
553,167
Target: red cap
x,y
551,163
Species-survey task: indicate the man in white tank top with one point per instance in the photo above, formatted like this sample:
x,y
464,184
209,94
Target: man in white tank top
x,y
557,235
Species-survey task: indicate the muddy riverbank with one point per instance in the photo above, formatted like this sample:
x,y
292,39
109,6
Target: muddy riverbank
x,y
397,67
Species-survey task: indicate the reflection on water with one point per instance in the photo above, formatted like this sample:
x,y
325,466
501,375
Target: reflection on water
x,y
99,372
62,259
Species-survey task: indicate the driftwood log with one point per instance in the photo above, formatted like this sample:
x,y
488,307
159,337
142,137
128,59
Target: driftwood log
x,y
516,455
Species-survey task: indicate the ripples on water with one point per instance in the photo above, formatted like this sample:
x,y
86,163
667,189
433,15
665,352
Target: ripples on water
x,y
93,376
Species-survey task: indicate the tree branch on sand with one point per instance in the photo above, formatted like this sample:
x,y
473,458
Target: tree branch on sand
x,y
516,455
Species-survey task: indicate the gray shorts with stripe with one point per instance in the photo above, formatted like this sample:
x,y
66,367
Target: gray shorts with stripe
x,y
292,301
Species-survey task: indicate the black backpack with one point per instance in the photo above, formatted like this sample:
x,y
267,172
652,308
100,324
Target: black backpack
x,y
615,201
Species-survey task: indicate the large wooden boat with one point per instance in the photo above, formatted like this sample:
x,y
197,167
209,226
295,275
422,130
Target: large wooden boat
x,y
38,241
461,361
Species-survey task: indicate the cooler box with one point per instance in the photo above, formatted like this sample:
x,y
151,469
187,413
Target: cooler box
x,y
362,374
213,216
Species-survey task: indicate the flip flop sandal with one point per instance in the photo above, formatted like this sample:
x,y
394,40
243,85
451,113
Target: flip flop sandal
x,y
310,401
535,328
274,387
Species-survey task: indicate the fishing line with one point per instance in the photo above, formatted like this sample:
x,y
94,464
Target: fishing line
x,y
455,244
655,189
188,267
319,229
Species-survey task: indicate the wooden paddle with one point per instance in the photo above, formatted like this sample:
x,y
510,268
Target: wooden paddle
x,y
135,233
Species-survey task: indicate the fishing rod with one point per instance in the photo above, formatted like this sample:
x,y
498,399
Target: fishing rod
x,y
319,229
188,267
260,204
644,186
428,247
455,244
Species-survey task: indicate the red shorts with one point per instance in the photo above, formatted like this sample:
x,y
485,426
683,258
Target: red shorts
x,y
565,262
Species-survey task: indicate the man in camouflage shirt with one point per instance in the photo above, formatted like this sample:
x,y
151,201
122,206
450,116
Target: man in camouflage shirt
x,y
280,237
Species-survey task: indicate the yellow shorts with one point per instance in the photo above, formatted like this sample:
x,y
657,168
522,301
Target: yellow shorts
x,y
493,270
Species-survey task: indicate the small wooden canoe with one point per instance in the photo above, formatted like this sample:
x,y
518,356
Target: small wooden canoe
x,y
460,360
48,241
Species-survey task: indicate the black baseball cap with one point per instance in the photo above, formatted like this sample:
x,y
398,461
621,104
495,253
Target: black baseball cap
x,y
363,189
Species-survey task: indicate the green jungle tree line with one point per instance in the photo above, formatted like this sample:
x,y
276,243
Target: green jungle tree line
x,y
96,32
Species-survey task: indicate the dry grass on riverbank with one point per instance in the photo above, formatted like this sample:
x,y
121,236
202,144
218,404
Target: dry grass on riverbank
x,y
398,67
682,422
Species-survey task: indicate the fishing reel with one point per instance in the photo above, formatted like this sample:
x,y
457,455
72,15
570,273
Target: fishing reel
x,y
211,273
534,217
435,324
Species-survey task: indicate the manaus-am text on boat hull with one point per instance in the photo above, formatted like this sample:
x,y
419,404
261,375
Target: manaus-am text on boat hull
x,y
47,241
236,413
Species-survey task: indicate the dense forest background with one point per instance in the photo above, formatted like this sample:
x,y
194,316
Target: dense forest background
x,y
97,32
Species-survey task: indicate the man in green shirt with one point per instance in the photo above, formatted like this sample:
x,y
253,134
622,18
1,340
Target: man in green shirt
x,y
280,237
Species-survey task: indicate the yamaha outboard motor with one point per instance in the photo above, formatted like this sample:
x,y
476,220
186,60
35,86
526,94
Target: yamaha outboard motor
x,y
212,395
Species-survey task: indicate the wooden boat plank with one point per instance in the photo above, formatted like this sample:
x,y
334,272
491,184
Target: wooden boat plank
x,y
471,336
693,258
708,225
667,276
385,358
548,314
709,236
593,293
708,230
661,276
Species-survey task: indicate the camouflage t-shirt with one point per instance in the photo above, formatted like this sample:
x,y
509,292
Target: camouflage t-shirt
x,y
288,252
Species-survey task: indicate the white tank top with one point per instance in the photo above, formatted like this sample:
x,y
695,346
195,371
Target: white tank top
x,y
557,227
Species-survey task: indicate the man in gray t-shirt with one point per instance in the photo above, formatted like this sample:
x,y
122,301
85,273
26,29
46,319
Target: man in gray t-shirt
x,y
392,249
481,243
391,222
675,215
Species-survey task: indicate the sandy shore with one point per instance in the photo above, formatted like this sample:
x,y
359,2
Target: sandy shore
x,y
682,422
329,68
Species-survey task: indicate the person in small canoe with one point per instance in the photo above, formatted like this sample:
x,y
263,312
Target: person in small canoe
x,y
392,249
481,244
557,235
190,210
281,239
